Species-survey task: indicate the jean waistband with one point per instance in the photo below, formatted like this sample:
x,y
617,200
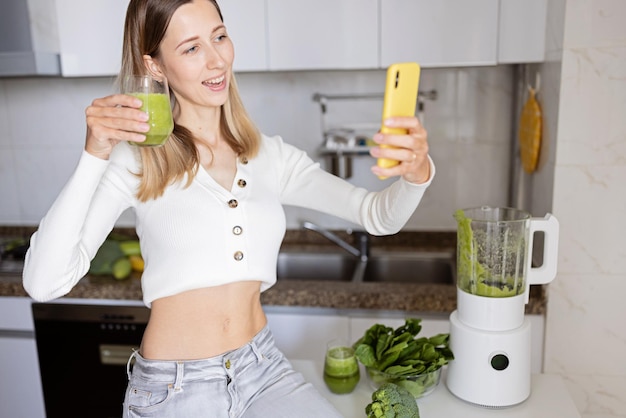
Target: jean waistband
x,y
222,365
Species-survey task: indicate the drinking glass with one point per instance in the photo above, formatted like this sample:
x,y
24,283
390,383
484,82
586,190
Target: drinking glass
x,y
154,93
341,369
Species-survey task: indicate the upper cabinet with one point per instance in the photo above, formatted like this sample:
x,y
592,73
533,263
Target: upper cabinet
x,y
322,34
285,35
90,36
439,33
522,31
245,23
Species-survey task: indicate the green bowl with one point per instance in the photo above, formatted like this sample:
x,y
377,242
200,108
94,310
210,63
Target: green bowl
x,y
419,385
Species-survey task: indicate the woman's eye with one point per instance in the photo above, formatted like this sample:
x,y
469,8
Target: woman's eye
x,y
221,37
191,50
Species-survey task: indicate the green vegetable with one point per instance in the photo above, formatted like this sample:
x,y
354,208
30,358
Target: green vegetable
x,y
122,268
110,260
392,401
399,353
130,247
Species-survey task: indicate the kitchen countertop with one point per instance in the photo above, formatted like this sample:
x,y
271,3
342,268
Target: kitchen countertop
x,y
408,297
549,398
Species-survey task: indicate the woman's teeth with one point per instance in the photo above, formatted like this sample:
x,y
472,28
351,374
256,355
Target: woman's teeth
x,y
214,81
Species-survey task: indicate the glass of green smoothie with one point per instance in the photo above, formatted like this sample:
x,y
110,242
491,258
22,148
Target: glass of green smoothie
x,y
341,369
154,94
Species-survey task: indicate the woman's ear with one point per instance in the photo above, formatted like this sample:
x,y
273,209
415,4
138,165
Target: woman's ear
x,y
152,66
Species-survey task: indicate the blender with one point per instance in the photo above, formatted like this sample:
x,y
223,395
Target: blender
x,y
489,334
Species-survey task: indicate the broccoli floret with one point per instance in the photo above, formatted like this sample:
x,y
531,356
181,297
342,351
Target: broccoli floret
x,y
392,401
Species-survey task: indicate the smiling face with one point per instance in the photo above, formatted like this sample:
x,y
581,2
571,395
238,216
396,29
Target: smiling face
x,y
196,56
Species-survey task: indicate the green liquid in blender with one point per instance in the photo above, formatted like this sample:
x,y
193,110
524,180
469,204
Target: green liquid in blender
x,y
472,276
157,105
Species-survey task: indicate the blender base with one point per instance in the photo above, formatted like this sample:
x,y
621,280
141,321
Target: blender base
x,y
490,368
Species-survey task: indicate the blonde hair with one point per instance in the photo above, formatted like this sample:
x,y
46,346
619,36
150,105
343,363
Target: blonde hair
x,y
178,158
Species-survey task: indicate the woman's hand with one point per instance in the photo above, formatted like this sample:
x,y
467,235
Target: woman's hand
x,y
113,119
411,150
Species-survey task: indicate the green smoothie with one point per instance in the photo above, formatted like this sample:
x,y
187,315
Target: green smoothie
x,y
341,370
157,105
472,276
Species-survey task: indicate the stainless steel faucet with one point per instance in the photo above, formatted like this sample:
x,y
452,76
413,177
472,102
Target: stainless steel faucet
x,y
361,252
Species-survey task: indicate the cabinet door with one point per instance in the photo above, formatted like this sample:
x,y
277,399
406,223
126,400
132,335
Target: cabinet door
x,y
90,36
322,34
522,31
245,22
21,395
304,336
439,33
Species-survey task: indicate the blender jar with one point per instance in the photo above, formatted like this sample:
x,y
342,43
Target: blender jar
x,y
491,251
494,271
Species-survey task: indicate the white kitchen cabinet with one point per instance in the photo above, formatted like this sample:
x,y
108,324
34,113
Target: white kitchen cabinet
x,y
303,333
21,395
90,36
522,31
440,33
322,34
245,22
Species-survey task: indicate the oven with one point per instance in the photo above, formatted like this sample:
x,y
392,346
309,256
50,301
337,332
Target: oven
x,y
83,350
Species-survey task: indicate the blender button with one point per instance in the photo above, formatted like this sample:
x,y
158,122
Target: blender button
x,y
499,362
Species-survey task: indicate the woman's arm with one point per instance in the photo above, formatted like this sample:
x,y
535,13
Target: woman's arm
x,y
75,226
305,184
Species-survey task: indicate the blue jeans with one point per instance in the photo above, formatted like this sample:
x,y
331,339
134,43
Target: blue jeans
x,y
255,380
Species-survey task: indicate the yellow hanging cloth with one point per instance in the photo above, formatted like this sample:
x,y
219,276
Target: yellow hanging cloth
x,y
530,132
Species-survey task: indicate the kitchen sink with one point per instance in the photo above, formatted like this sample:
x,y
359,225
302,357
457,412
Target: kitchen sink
x,y
381,266
410,267
318,265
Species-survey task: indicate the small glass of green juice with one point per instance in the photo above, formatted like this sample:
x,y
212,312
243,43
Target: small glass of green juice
x,y
154,94
341,369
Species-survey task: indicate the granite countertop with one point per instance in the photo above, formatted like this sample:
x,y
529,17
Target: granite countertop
x,y
408,297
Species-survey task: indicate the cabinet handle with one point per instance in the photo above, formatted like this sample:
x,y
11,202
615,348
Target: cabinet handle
x,y
115,354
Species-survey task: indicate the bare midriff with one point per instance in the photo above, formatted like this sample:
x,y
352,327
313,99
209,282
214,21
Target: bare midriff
x,y
203,323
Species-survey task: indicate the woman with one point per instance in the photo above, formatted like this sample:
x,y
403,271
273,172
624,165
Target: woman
x,y
209,218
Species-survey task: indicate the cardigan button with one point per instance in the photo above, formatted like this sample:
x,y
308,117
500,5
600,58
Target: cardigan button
x,y
238,256
241,183
233,203
237,230
244,160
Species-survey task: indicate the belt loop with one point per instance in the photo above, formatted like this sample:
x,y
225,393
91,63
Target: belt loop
x,y
255,350
130,360
180,367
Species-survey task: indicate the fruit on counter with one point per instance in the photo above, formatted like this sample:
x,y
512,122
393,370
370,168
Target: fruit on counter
x,y
117,258
121,268
392,401
136,262
130,247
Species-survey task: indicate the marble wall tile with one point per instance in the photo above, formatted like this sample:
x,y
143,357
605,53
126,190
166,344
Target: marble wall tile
x,y
598,396
584,325
595,105
585,333
593,23
590,207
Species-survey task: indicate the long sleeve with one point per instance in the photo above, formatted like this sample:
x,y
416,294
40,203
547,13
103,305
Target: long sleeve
x,y
384,212
73,229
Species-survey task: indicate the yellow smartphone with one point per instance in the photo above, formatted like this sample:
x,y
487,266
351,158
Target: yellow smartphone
x,y
400,99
